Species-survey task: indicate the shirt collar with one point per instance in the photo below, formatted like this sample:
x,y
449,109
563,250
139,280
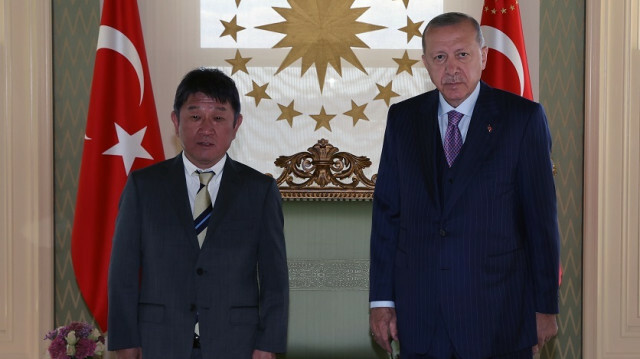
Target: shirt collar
x,y
190,168
465,108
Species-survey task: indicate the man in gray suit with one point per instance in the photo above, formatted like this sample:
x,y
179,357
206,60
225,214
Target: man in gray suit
x,y
218,290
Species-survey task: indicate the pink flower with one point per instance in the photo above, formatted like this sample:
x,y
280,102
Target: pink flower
x,y
75,341
58,348
85,348
82,329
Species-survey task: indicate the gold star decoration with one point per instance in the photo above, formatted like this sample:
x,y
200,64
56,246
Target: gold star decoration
x,y
288,113
322,119
386,93
357,112
239,63
238,3
406,3
321,33
231,28
405,63
412,29
259,92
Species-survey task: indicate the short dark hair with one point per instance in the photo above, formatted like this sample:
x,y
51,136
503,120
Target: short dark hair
x,y
453,18
211,82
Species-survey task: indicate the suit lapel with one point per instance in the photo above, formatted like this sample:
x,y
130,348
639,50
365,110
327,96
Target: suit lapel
x,y
230,187
429,135
177,190
483,131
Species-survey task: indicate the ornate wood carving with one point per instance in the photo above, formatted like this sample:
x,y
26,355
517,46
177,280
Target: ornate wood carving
x,y
323,172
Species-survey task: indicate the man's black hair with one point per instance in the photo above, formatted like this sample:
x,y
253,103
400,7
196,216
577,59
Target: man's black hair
x,y
211,82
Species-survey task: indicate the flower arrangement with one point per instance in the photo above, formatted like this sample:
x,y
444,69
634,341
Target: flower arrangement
x,y
75,341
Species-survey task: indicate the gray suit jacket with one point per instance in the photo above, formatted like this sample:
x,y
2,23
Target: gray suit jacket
x,y
159,278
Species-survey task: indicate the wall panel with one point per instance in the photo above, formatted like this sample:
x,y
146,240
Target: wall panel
x,y
26,193
562,66
612,235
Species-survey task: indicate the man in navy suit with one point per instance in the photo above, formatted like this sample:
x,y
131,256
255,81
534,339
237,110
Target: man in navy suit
x,y
223,294
464,242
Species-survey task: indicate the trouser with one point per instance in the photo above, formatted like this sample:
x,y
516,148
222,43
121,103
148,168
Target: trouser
x,y
442,347
522,354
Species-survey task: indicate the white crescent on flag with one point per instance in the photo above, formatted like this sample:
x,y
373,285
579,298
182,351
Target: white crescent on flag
x,y
113,39
499,41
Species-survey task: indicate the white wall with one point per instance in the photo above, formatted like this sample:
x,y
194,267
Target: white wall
x,y
611,279
26,179
530,15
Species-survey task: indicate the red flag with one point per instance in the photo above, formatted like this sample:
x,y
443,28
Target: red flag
x,y
507,66
122,134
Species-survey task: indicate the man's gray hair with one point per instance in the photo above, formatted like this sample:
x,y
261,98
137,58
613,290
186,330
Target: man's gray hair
x,y
453,18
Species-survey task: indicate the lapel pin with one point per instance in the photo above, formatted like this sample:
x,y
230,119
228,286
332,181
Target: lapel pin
x,y
489,128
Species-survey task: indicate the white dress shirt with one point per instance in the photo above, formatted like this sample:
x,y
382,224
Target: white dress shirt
x,y
193,181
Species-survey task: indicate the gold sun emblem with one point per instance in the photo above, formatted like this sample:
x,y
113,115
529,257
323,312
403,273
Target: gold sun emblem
x,y
321,33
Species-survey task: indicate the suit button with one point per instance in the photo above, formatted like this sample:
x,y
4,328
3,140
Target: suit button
x,y
199,271
443,233
450,180
192,307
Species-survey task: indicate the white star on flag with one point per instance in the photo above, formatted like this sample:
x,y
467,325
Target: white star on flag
x,y
129,147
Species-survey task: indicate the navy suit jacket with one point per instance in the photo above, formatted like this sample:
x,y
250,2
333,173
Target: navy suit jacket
x,y
159,278
476,244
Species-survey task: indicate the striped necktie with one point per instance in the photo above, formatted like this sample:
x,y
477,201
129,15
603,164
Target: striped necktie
x,y
202,206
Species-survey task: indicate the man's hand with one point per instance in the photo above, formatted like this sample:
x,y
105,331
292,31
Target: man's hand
x,y
129,353
259,354
384,327
547,329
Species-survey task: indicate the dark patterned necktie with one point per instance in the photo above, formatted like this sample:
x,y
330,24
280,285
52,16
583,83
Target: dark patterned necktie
x,y
453,137
202,206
